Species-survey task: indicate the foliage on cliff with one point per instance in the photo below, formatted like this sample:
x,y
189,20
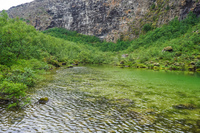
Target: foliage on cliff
x,y
88,40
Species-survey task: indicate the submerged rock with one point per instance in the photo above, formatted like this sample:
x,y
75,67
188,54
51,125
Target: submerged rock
x,y
43,100
184,106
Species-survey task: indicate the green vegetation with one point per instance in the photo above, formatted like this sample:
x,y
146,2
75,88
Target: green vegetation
x,y
26,53
182,37
147,27
150,49
88,40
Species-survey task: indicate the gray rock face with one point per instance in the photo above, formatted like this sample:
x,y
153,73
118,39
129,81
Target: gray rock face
x,y
107,19
103,18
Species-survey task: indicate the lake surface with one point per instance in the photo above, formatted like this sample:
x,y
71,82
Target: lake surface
x,y
110,99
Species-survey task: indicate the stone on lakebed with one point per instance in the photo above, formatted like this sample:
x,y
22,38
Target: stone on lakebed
x,y
43,100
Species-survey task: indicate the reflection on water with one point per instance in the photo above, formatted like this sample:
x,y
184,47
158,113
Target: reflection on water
x,y
71,109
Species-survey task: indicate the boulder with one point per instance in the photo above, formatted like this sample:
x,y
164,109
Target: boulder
x,y
122,62
43,100
156,64
125,55
168,48
70,66
184,106
177,64
192,63
4,101
191,68
63,64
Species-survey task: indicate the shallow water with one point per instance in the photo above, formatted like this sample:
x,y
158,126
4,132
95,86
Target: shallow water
x,y
109,99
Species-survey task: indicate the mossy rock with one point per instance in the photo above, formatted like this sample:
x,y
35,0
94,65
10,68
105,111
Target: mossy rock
x,y
198,123
192,63
191,68
198,57
70,66
184,106
122,62
64,64
43,100
174,67
156,64
177,64
121,65
150,66
168,48
75,63
54,63
178,53
198,70
156,68
4,101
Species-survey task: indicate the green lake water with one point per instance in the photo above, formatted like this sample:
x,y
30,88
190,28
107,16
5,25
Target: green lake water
x,y
110,99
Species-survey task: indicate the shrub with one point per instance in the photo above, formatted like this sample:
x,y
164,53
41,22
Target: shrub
x,y
147,27
25,76
15,93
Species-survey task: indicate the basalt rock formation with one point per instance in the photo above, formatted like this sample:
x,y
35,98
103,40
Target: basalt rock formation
x,y
108,19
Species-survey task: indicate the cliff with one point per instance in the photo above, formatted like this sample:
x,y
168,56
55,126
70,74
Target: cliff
x,y
107,19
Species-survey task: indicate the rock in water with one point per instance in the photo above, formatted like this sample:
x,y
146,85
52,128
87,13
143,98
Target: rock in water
x,y
43,100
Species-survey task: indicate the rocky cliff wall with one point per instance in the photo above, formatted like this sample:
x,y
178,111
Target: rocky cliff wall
x,y
107,19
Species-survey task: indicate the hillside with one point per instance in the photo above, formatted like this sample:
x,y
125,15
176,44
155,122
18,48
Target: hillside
x,y
174,46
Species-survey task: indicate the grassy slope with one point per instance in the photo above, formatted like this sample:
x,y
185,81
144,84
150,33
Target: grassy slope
x,y
182,36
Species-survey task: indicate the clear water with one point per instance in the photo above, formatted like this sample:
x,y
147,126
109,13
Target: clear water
x,y
109,99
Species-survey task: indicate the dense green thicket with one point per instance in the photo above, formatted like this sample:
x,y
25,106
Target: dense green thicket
x,y
87,40
25,53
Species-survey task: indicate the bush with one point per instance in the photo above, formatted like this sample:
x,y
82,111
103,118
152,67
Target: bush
x,y
147,27
15,93
25,76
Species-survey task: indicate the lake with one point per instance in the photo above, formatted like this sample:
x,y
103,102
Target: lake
x,y
110,99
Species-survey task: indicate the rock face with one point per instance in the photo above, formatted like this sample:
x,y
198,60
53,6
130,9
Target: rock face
x,y
106,19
